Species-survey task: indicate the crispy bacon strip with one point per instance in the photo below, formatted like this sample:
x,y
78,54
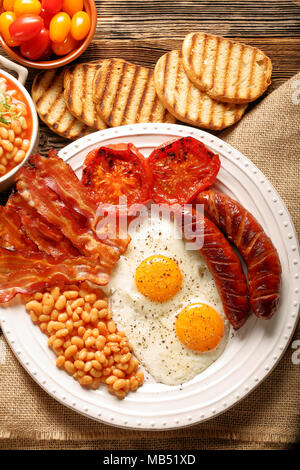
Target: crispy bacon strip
x,y
12,235
32,187
46,237
22,272
62,180
60,177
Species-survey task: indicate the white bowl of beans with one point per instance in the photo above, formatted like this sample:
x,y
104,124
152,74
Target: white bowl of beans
x,y
18,122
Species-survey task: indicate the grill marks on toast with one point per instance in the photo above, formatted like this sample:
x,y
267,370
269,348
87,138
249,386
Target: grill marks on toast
x,y
48,96
186,102
124,93
228,71
78,93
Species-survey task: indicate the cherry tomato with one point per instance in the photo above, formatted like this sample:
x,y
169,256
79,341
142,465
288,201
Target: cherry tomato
x,y
65,47
47,54
60,27
25,28
72,6
181,169
52,6
81,24
8,5
47,17
36,47
117,170
6,19
27,7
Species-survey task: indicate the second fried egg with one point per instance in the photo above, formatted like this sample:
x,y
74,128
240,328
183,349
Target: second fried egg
x,y
165,299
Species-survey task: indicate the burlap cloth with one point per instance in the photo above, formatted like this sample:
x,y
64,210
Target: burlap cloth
x,y
267,418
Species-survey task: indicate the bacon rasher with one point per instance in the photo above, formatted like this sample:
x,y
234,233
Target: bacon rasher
x,y
33,188
24,272
60,177
48,238
12,235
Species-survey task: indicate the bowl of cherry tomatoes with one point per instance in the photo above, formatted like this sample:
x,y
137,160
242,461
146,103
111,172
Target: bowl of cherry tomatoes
x,y
46,34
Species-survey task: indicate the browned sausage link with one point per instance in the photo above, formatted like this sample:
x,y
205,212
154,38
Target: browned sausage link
x,y
225,266
258,251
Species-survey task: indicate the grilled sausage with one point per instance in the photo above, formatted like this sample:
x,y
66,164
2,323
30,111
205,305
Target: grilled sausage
x,y
256,248
224,265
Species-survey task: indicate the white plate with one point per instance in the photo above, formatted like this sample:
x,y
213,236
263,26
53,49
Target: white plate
x,y
250,355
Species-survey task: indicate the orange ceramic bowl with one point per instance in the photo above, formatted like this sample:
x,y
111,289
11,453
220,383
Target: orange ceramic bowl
x,y
90,8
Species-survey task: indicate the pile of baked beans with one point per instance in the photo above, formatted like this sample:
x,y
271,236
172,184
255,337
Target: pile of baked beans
x,y
15,129
85,338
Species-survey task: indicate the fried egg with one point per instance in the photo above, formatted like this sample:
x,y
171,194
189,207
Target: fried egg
x,y
165,299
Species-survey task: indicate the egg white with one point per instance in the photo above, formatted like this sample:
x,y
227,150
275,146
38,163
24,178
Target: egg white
x,y
150,326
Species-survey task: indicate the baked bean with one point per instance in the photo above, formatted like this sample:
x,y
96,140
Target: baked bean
x,y
95,373
3,132
120,383
61,302
44,318
79,364
70,351
77,303
25,144
19,157
60,361
96,364
94,315
100,304
111,380
11,135
61,333
7,145
71,294
77,341
57,343
125,358
86,380
69,366
118,373
111,326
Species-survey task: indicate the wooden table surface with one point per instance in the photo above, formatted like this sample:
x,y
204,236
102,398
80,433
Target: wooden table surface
x,y
142,30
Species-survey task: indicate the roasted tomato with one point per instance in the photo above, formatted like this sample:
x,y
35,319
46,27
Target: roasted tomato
x,y
117,170
181,169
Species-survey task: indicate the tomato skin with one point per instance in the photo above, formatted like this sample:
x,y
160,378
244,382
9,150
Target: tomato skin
x,y
60,27
81,24
65,47
181,169
72,6
6,19
36,47
8,5
27,7
47,17
25,28
117,170
48,53
52,6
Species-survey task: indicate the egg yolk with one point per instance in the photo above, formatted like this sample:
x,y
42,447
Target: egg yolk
x,y
199,327
158,278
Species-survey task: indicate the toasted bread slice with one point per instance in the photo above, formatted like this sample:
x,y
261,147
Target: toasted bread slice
x,y
226,70
124,93
48,96
187,102
78,93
